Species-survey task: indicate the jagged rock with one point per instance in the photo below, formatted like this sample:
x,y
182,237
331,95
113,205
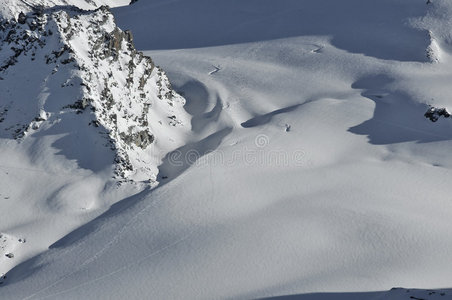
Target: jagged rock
x,y
103,75
141,139
434,113
80,104
114,42
22,19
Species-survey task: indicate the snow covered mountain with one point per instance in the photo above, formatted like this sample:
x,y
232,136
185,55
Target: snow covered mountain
x,y
76,98
83,64
301,162
10,9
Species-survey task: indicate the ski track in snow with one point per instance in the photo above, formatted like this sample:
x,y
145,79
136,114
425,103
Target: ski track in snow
x,y
363,210
97,254
92,281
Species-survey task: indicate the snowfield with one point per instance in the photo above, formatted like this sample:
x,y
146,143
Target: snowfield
x,y
302,167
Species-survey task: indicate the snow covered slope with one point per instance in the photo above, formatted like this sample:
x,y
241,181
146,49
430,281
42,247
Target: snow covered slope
x,y
10,9
79,106
83,64
310,169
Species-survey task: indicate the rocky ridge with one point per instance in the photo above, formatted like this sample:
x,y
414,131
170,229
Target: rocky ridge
x,y
84,64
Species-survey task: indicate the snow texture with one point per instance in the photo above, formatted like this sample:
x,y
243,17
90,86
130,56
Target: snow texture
x,y
300,160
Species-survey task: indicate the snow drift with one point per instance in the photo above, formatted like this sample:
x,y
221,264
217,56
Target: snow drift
x,y
309,169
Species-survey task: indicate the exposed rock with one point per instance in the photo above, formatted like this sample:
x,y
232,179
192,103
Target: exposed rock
x,y
434,113
114,83
22,19
141,139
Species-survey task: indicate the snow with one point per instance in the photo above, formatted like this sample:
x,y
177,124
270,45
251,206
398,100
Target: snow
x,y
10,9
58,156
348,203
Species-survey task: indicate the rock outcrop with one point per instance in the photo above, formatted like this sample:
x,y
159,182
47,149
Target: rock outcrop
x,y
433,113
83,64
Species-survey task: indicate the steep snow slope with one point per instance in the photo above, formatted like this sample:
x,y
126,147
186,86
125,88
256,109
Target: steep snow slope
x,y
310,166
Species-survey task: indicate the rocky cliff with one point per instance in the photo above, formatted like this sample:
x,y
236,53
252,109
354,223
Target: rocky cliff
x,y
66,67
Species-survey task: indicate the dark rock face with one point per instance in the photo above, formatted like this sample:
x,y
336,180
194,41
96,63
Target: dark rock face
x,y
141,139
433,113
114,41
22,19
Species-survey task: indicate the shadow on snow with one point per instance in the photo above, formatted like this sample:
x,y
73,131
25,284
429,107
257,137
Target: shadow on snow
x,y
397,118
373,28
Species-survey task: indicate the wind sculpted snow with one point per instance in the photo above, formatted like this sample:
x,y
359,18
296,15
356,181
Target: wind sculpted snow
x,y
306,170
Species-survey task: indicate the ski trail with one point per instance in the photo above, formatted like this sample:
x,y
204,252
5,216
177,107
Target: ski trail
x,y
97,254
103,249
217,69
161,250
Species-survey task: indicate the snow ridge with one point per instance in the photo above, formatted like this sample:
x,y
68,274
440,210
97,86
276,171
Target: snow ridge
x,y
10,9
122,94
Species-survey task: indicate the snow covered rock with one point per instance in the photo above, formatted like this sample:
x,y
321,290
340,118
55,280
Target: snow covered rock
x,y
434,113
10,9
83,64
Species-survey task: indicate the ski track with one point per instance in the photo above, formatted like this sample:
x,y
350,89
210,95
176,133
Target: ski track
x,y
248,76
97,254
91,281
